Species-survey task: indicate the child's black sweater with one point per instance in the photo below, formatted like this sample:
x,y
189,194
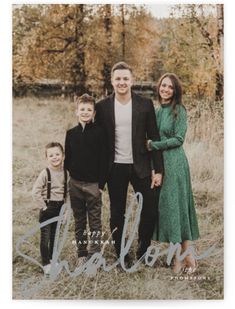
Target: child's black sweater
x,y
85,154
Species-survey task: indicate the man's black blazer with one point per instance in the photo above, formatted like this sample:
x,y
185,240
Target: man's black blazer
x,y
143,127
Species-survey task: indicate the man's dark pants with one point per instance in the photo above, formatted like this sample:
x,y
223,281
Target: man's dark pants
x,y
119,178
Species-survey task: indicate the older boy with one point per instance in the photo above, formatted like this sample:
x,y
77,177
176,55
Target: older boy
x,y
85,159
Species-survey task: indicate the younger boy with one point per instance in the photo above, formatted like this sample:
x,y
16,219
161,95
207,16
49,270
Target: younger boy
x,y
85,159
50,192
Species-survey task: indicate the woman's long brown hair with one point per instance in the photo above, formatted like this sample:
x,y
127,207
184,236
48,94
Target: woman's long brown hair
x,y
177,91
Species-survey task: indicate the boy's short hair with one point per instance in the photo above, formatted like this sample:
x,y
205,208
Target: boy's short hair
x,y
85,99
52,145
121,66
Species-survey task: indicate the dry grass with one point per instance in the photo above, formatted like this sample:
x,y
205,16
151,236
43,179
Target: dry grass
x,y
37,122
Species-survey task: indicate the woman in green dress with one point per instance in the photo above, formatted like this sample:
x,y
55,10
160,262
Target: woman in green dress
x,y
177,222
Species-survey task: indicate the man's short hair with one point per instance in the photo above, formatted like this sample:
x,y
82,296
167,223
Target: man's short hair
x,y
121,66
85,98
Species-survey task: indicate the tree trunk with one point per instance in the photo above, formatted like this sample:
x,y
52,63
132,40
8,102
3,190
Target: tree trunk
x,y
107,63
123,33
78,69
220,41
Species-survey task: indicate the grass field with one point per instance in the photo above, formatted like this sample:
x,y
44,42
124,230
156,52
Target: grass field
x,y
37,122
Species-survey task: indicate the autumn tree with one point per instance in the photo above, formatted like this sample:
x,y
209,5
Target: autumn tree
x,y
26,19
65,41
77,44
207,22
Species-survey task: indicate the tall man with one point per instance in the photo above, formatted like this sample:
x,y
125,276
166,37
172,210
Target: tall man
x,y
128,120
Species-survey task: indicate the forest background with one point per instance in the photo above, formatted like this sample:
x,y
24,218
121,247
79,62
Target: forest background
x,y
60,51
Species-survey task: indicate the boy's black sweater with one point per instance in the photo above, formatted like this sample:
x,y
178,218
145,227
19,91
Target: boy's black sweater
x,y
85,154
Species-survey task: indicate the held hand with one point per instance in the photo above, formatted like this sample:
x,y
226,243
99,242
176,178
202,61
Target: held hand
x,y
149,148
153,179
158,180
101,191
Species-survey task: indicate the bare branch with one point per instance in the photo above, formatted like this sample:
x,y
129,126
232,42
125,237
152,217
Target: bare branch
x,y
50,51
66,19
66,39
205,33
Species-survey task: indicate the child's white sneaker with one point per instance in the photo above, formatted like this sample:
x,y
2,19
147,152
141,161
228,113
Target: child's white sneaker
x,y
47,269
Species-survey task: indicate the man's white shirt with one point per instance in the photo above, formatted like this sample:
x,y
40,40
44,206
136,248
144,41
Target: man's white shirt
x,y
123,132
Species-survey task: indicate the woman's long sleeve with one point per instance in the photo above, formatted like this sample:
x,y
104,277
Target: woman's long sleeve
x,y
179,133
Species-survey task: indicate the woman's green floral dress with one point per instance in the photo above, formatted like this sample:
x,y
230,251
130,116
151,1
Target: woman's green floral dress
x,y
177,220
